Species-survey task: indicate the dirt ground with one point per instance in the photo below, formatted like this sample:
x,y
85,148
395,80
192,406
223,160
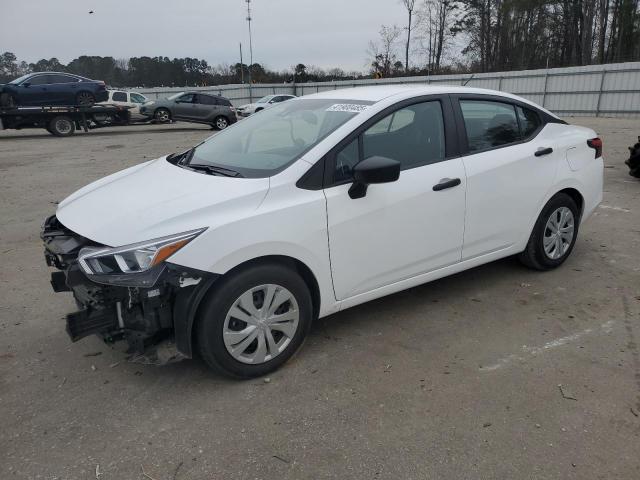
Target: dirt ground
x,y
495,373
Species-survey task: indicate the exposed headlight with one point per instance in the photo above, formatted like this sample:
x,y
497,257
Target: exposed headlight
x,y
138,264
150,102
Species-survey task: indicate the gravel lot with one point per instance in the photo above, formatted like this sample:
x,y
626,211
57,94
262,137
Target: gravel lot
x,y
455,379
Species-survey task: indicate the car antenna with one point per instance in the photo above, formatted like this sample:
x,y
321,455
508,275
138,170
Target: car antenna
x,y
469,79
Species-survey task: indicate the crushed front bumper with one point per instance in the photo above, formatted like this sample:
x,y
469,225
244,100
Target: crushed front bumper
x,y
156,322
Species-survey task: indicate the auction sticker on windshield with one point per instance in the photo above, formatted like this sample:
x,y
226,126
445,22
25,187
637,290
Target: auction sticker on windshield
x,y
347,107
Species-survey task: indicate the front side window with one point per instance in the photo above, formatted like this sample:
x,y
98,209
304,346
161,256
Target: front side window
x,y
413,135
137,98
489,124
119,97
263,145
39,80
187,98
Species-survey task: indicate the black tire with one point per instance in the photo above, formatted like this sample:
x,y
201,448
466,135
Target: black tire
x,y
220,123
258,110
534,256
213,312
85,98
162,115
61,126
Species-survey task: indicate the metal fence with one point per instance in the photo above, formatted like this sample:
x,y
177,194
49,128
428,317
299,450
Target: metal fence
x,y
611,90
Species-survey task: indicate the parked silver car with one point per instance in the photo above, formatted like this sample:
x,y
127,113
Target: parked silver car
x,y
264,102
195,107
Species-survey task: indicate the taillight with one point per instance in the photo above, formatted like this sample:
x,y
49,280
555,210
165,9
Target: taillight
x,y
596,144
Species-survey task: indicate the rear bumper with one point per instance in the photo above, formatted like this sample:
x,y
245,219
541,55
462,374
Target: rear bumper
x,y
145,318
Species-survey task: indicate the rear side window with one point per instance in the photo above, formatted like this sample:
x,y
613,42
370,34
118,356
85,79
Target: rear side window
x,y
489,124
119,97
224,101
529,121
62,79
206,100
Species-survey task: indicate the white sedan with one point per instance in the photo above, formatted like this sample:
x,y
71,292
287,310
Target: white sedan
x,y
236,246
264,102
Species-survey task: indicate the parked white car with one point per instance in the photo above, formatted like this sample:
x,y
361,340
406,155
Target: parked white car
x,y
264,102
133,100
236,246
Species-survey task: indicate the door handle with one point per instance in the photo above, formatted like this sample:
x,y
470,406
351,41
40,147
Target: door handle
x,y
446,183
543,151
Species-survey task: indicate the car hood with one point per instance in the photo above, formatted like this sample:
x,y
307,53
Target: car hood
x,y
155,199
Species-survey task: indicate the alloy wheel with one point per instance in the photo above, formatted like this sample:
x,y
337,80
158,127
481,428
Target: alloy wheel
x,y
558,233
260,324
221,123
85,98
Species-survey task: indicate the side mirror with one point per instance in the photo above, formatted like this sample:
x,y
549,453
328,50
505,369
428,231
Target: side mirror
x,y
373,170
26,84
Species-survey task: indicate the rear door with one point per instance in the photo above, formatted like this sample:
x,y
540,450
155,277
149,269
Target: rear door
x,y
63,88
207,107
506,179
405,228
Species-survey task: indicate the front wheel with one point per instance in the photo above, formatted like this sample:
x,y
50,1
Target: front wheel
x,y
162,115
554,234
254,321
220,123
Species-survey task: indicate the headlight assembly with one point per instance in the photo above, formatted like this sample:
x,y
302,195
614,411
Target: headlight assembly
x,y
135,265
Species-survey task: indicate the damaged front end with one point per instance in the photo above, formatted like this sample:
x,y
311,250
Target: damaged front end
x,y
129,294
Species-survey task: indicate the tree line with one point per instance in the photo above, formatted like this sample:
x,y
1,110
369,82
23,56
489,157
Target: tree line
x,y
166,72
443,36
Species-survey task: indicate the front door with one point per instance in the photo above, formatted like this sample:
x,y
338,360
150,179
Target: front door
x,y
401,229
183,106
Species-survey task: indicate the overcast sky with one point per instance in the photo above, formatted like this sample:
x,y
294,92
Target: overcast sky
x,y
325,33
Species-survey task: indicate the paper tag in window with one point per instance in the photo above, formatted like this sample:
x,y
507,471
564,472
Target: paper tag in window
x,y
347,107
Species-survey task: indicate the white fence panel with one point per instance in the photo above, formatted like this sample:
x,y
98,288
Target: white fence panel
x,y
600,90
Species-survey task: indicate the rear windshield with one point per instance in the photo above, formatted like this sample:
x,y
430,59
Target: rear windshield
x,y
265,144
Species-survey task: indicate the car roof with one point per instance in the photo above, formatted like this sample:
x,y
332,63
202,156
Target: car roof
x,y
208,94
380,92
60,73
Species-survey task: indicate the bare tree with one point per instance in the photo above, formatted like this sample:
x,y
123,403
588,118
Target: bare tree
x,y
435,24
409,5
383,52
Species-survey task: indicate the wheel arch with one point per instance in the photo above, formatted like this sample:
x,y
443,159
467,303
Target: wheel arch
x,y
569,189
188,308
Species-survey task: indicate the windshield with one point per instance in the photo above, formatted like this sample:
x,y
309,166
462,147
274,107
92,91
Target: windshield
x,y
20,79
266,144
265,99
175,95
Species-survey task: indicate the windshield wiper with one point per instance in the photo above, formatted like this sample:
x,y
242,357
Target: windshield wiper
x,y
214,170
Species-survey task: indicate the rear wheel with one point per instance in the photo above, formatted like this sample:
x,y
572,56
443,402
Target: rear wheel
x,y
220,123
61,126
85,98
162,115
554,234
254,321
